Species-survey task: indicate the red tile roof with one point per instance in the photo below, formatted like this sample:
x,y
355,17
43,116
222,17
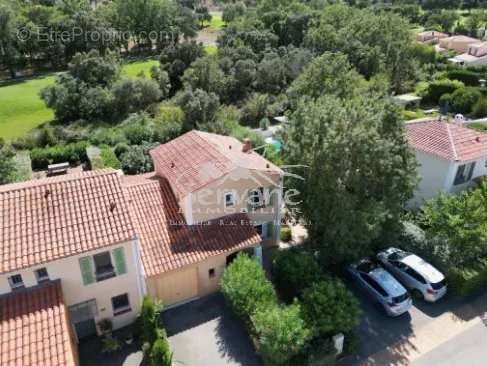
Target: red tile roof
x,y
198,158
447,140
52,218
34,328
167,242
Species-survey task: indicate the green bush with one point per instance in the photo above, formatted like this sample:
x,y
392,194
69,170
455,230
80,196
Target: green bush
x,y
409,115
282,333
463,99
149,320
161,354
437,88
467,77
286,234
479,110
73,153
136,160
293,270
464,282
246,287
329,308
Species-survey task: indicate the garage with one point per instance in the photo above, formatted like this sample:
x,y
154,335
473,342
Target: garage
x,y
174,287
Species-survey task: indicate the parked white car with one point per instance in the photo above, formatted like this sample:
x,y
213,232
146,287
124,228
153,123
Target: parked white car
x,y
419,276
381,286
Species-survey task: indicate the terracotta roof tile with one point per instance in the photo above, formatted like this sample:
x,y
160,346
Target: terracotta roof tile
x,y
47,219
447,140
166,241
34,328
198,158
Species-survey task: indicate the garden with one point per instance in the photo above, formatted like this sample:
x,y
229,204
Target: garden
x,y
292,321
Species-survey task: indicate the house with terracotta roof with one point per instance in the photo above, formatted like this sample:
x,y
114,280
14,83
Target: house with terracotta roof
x,y
432,37
75,229
90,245
450,157
459,44
476,55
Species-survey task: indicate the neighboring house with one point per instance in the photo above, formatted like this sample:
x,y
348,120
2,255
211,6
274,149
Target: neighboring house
x,y
475,56
458,44
91,245
432,37
450,157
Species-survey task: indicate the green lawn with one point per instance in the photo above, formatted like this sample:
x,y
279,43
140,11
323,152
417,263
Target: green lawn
x,y
211,49
478,126
21,108
216,22
134,68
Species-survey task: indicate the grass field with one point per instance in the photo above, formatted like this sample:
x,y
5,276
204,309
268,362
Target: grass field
x,y
216,21
21,108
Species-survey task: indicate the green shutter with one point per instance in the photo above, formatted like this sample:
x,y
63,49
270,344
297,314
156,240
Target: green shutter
x,y
119,257
86,266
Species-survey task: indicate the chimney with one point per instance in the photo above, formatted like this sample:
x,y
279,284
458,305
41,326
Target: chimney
x,y
247,146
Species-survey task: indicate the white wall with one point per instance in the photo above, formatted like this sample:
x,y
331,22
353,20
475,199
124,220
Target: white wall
x,y
433,174
479,171
68,270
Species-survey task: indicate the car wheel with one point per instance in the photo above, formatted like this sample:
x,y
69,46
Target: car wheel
x,y
417,294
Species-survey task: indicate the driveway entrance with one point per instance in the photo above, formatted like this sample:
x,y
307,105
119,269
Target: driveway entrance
x,y
205,332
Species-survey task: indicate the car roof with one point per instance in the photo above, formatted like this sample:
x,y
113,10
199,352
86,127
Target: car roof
x,y
425,269
387,281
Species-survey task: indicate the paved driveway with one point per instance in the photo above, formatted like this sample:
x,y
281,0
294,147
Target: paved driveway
x,y
418,337
205,332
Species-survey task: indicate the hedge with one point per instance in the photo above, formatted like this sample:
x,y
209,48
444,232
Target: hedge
x,y
464,282
467,77
73,153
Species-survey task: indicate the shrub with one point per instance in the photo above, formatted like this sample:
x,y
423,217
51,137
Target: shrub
x,y
161,354
73,153
286,234
149,320
437,88
246,287
107,136
293,270
463,99
138,132
467,77
282,333
136,160
480,108
464,282
329,308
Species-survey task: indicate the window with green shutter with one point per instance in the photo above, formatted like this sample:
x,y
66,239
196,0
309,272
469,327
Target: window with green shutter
x,y
87,273
119,257
272,195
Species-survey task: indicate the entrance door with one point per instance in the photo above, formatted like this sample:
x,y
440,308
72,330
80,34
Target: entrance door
x,y
83,318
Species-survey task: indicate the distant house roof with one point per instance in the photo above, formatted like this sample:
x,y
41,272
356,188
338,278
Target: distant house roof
x,y
447,140
166,241
198,158
461,38
34,328
48,219
432,33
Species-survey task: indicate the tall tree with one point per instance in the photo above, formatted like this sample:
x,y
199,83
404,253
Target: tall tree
x,y
360,172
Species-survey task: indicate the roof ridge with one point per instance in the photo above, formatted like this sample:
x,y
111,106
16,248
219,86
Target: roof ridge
x,y
57,179
452,143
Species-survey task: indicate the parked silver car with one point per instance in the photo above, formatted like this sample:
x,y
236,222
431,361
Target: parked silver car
x,y
382,286
424,280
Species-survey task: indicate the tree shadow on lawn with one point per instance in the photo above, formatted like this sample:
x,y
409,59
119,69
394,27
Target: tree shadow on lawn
x,y
24,79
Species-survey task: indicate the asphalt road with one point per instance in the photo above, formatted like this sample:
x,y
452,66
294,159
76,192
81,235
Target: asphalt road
x,y
468,348
422,336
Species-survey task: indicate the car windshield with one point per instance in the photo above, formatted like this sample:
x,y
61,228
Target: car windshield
x,y
400,299
366,266
398,255
438,285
